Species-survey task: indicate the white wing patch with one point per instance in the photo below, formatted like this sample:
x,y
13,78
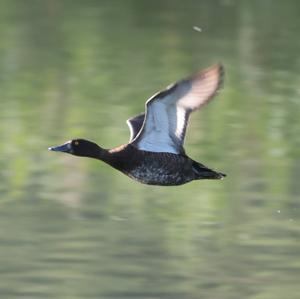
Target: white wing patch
x,y
181,122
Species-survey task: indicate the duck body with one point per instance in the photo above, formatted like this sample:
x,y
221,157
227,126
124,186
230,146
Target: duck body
x,y
155,154
157,168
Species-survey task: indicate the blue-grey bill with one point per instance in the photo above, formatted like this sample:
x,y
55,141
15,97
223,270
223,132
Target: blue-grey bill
x,y
61,148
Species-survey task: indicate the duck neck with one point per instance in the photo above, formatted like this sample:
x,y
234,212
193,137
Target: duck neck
x,y
100,154
110,156
94,151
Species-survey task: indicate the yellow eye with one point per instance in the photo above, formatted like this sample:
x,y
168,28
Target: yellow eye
x,y
76,142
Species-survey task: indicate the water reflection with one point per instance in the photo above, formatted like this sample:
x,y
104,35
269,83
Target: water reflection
x,y
76,228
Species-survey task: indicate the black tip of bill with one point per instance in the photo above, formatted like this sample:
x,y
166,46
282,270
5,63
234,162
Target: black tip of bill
x,y
222,175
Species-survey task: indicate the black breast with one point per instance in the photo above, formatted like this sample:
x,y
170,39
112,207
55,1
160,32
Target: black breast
x,y
151,167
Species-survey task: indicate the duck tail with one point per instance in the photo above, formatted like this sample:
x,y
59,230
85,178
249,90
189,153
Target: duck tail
x,y
203,172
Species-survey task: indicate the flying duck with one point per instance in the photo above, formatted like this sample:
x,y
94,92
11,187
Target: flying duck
x,y
155,154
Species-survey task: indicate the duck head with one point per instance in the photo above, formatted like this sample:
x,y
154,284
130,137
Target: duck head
x,y
79,147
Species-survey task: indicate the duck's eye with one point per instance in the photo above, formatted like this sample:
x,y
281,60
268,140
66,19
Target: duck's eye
x,y
76,142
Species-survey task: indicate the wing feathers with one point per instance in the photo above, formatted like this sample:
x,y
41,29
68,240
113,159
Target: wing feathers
x,y
135,124
203,87
167,112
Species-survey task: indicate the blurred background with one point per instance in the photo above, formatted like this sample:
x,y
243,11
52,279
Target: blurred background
x,y
76,228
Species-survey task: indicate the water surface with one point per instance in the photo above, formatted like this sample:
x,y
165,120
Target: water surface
x,y
75,228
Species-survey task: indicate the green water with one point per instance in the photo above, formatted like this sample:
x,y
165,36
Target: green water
x,y
75,228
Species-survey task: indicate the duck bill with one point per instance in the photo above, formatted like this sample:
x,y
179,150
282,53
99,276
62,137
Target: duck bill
x,y
66,148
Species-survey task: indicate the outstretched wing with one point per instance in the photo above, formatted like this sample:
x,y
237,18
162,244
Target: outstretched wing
x,y
135,124
167,112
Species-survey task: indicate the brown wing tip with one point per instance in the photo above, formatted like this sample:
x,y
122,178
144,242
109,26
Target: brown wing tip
x,y
215,70
221,71
215,75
